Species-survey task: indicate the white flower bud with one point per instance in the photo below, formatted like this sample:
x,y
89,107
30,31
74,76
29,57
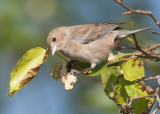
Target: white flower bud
x,y
70,80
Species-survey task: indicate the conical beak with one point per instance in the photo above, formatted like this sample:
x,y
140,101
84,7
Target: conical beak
x,y
53,50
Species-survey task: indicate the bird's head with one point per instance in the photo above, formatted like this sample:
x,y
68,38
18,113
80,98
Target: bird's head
x,y
57,39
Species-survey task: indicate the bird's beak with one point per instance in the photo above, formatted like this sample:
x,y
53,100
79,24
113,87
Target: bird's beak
x,y
53,50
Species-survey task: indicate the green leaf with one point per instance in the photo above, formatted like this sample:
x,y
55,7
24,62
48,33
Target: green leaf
x,y
133,69
102,67
109,77
26,68
127,89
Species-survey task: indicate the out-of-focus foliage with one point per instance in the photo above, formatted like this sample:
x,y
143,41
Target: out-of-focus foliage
x,y
30,22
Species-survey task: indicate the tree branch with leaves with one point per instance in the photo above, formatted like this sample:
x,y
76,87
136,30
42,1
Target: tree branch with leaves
x,y
122,75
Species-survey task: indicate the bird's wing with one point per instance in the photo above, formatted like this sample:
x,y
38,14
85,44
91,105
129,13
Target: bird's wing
x,y
88,33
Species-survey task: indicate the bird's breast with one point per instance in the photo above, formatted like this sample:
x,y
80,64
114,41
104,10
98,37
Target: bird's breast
x,y
93,52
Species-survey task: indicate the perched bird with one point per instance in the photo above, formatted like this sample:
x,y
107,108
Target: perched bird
x,y
87,43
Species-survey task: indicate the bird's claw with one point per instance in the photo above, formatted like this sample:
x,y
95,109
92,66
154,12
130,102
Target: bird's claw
x,y
75,72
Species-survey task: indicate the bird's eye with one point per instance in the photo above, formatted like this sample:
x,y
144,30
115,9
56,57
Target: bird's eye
x,y
54,39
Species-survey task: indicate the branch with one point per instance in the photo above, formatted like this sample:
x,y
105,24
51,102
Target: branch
x,y
140,97
152,48
158,105
147,52
156,32
138,11
139,54
150,78
147,55
154,95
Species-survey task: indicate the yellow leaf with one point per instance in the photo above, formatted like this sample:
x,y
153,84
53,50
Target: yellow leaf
x,y
26,68
133,69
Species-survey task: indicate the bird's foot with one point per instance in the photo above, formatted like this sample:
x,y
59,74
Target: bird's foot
x,y
76,72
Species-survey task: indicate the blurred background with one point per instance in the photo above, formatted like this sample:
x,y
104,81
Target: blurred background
x,y
25,24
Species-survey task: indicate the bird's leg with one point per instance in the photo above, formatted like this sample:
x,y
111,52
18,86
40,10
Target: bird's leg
x,y
93,65
75,72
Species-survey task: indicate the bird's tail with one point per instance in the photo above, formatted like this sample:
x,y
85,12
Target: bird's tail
x,y
125,33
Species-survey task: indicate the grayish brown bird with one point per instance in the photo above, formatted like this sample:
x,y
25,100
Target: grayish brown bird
x,y
87,43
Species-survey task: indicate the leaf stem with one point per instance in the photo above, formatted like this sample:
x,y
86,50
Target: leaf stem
x,y
61,56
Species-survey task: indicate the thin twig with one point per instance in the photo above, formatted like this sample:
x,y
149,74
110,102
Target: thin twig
x,y
152,48
155,94
156,58
156,32
139,97
150,78
123,47
138,47
158,105
155,52
139,54
155,110
62,56
115,64
138,11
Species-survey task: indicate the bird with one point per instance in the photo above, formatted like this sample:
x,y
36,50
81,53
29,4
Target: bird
x,y
90,43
